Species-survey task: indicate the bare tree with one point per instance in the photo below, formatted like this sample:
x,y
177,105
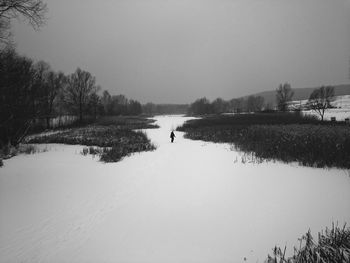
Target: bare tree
x,y
200,106
255,103
95,103
284,94
149,108
54,84
120,105
219,106
320,100
41,70
80,86
134,107
106,101
31,10
237,105
18,97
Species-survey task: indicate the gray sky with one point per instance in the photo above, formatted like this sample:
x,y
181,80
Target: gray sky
x,y
174,51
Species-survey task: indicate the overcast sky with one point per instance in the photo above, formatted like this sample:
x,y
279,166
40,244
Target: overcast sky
x,y
174,51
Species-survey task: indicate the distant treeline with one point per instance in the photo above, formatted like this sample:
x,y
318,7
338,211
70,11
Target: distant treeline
x,y
32,93
249,104
319,101
154,109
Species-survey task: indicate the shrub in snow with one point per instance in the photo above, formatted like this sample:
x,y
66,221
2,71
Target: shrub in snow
x,y
117,152
85,151
94,150
333,245
27,149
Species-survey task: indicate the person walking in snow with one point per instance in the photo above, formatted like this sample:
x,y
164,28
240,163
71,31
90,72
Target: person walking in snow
x,y
172,136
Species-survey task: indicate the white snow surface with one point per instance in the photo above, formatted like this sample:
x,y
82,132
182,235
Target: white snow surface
x,y
188,201
341,112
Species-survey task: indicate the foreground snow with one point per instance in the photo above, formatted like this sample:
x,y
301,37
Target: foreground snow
x,y
189,201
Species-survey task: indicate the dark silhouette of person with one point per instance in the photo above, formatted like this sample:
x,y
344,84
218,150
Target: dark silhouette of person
x,y
172,136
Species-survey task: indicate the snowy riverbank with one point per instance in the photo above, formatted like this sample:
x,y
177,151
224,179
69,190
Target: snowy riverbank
x,y
189,201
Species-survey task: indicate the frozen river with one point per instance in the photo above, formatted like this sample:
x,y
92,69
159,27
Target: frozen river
x,y
190,201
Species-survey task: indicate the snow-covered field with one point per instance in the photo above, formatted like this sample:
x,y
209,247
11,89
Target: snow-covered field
x,y
189,201
340,112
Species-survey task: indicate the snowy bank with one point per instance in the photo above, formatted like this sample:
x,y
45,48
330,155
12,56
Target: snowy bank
x,y
185,202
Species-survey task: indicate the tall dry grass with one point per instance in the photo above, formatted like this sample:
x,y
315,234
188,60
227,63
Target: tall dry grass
x,y
332,246
287,137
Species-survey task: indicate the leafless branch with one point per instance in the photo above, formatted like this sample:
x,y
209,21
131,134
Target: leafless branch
x,y
32,10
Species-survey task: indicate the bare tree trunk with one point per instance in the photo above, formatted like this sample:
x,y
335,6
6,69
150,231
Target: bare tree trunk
x,y
80,108
80,113
322,113
48,122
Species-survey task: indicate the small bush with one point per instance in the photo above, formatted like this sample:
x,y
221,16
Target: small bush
x,y
85,151
92,150
116,153
27,149
8,151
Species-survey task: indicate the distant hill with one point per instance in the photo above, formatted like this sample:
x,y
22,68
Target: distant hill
x,y
301,93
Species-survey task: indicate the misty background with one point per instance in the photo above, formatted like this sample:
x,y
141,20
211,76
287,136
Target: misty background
x,y
174,51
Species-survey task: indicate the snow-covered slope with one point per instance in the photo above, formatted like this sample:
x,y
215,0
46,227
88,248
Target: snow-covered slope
x,y
302,93
189,201
341,110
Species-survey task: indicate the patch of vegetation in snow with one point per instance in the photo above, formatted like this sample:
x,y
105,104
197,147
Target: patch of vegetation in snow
x,y
289,137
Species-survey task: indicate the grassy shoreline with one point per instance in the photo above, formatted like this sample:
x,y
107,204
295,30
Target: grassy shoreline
x,y
332,245
287,137
115,137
